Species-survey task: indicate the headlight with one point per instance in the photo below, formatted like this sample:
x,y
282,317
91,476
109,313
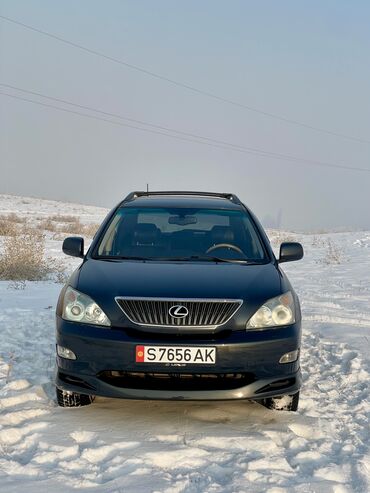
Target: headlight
x,y
274,313
78,307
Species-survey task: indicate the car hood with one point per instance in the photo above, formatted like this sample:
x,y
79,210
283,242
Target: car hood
x,y
103,280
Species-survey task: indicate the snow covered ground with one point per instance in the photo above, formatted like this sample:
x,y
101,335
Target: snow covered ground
x,y
148,446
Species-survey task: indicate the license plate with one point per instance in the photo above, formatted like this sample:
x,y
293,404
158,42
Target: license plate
x,y
176,354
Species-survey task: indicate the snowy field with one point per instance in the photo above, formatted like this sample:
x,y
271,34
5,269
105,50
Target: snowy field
x,y
148,446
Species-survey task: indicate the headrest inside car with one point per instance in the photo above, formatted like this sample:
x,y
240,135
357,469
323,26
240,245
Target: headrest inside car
x,y
222,234
145,234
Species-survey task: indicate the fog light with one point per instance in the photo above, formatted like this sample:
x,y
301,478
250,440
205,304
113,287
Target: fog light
x,y
66,353
289,357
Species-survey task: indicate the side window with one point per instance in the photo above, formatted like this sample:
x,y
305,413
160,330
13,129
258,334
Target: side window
x,y
105,247
256,248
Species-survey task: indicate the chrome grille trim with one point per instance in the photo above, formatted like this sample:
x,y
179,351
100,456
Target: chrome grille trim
x,y
154,312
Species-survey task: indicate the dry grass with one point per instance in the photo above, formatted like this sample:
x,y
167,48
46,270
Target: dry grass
x,y
22,255
23,258
318,241
48,225
333,255
77,228
91,229
279,237
10,224
69,225
15,218
59,218
7,228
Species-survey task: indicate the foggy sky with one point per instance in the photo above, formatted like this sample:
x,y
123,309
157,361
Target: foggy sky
x,y
307,61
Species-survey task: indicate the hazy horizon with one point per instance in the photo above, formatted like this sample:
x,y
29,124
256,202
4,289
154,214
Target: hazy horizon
x,y
304,62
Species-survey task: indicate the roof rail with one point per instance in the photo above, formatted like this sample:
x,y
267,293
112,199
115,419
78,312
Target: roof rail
x,y
228,196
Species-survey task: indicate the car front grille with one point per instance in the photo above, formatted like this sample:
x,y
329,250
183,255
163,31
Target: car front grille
x,y
176,381
159,312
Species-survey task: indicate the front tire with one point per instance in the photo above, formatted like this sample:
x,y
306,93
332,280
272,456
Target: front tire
x,y
72,399
282,403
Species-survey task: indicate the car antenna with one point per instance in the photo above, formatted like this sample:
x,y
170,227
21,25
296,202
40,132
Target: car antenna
x,y
147,188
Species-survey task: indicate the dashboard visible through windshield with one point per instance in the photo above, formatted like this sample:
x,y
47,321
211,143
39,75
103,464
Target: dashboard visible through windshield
x,y
181,234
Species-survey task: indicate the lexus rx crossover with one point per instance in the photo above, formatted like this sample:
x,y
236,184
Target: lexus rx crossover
x,y
179,296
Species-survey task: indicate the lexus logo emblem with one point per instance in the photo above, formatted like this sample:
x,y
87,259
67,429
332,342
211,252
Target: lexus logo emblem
x,y
178,311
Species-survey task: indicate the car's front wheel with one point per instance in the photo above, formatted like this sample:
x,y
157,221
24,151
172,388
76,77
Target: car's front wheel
x,y
282,403
72,399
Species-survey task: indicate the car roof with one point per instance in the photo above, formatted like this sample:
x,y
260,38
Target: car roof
x,y
182,200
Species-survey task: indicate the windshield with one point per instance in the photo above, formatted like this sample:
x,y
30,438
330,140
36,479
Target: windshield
x,y
181,234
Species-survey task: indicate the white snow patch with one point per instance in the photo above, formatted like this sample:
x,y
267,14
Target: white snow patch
x,y
213,447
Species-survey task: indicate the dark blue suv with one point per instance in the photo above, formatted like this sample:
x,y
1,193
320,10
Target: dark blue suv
x,y
179,297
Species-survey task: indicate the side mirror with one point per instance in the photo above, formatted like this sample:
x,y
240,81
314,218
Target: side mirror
x,y
290,251
74,246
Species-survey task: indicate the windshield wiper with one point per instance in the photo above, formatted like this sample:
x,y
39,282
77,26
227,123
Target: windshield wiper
x,y
201,258
121,257
218,259
206,258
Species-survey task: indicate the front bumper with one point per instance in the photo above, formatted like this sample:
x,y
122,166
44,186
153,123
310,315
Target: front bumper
x,y
253,354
